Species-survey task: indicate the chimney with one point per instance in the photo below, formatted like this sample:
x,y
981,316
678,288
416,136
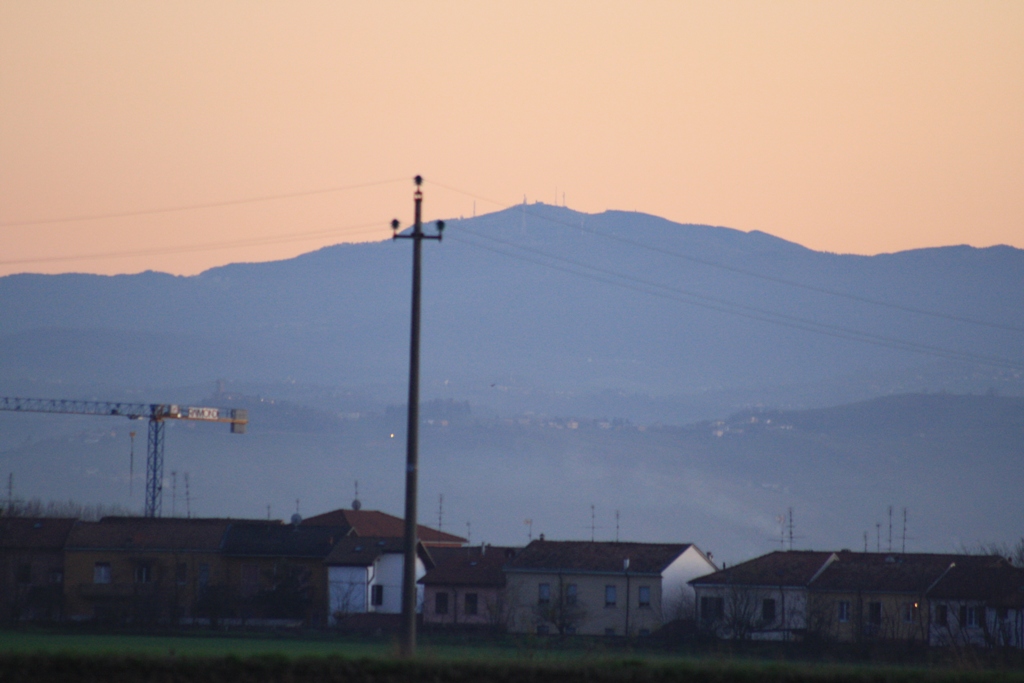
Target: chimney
x,y
625,565
483,548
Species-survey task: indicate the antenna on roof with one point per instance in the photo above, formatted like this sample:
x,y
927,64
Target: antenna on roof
x,y
865,541
878,537
131,464
790,528
890,529
616,526
188,499
781,520
592,523
440,512
529,525
469,532
355,501
904,551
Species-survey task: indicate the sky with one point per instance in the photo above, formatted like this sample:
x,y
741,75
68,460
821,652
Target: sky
x,y
180,136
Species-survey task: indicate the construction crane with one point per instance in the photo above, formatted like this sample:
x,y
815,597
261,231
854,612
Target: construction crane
x,y
156,413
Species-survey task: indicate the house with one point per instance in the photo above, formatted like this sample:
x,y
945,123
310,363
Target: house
x,y
32,567
144,569
600,588
763,598
377,524
364,575
466,587
978,603
276,572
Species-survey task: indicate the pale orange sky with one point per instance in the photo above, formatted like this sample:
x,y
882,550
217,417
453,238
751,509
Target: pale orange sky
x,y
859,127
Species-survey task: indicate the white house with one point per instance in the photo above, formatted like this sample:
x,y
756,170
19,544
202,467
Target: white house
x,y
365,575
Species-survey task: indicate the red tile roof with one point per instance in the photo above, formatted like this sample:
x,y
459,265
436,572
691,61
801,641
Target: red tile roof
x,y
150,534
471,566
382,525
34,533
599,557
780,568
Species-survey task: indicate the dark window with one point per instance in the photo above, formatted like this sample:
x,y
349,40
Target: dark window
x,y
712,608
1002,613
250,579
377,596
610,597
143,573
23,574
181,573
609,632
975,615
844,610
101,572
942,615
440,603
544,594
910,612
470,606
875,613
204,575
644,632
768,610
644,596
571,594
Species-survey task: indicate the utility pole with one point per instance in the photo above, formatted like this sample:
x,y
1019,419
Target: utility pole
x,y
408,643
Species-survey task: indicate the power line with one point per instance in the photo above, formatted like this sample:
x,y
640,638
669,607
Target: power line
x,y
209,246
203,205
613,278
750,273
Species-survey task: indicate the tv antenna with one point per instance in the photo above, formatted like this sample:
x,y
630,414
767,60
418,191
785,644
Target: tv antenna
x,y
188,499
890,529
616,526
440,512
355,501
529,528
131,465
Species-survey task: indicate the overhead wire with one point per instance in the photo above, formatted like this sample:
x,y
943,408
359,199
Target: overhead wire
x,y
202,205
743,271
615,278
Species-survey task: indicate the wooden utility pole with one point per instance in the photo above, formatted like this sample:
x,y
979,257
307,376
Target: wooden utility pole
x,y
408,644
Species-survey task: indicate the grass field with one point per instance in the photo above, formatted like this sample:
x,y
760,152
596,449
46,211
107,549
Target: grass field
x,y
40,657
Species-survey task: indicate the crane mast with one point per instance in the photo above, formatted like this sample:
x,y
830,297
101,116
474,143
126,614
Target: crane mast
x,y
156,413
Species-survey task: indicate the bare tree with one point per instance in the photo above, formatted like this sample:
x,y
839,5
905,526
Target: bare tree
x,y
563,610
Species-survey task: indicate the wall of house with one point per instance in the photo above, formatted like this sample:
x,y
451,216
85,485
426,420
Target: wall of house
x,y
590,615
165,593
348,591
298,580
389,575
31,585
491,606
897,616
990,627
743,611
678,601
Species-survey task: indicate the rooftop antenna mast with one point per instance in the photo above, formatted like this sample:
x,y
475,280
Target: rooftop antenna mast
x,y
408,639
188,499
529,527
878,537
356,504
790,528
890,529
131,465
904,551
440,512
469,531
593,522
616,526
865,541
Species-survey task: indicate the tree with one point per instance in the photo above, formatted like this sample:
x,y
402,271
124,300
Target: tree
x,y
563,610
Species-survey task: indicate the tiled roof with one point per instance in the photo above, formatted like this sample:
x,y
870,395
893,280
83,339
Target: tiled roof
x,y
149,533
882,572
41,533
359,551
601,557
998,584
472,566
780,568
381,525
281,540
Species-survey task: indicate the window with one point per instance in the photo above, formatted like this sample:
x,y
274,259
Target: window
x,y
942,615
571,594
377,596
910,612
143,573
544,594
844,611
440,603
204,575
644,596
875,613
23,574
610,597
644,632
609,632
975,615
768,610
712,608
181,573
101,572
470,604
1002,613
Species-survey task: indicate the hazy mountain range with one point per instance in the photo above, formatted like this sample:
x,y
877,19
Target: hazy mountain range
x,y
545,316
